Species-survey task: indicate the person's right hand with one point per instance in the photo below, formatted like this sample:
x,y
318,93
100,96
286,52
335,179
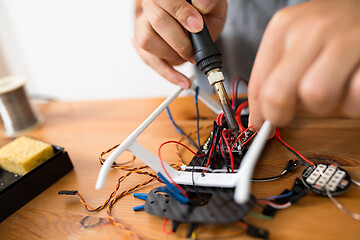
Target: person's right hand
x,y
160,37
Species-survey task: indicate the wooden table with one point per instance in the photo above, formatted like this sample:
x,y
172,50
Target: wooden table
x,y
85,129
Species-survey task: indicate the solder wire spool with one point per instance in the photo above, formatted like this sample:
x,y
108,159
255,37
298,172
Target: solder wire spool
x,y
17,113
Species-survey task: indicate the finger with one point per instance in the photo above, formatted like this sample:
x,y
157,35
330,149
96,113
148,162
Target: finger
x,y
351,106
322,87
163,68
169,30
279,93
184,13
151,42
206,6
215,18
270,51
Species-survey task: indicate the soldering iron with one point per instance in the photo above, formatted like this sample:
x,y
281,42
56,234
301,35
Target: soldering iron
x,y
208,59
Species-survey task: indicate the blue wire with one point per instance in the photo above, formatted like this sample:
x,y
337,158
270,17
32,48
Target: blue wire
x,y
279,196
178,197
179,130
172,121
142,196
139,208
196,95
168,184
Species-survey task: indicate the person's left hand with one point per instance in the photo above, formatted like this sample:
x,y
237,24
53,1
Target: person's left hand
x,y
310,56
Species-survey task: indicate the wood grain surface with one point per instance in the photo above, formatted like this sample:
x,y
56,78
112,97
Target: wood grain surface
x,y
85,129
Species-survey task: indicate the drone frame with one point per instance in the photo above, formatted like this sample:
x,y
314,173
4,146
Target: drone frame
x,y
240,180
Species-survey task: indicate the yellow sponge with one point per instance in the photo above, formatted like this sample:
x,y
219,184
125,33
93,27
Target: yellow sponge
x,y
24,154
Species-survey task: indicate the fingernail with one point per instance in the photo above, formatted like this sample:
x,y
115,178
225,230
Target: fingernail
x,y
194,23
184,85
202,5
250,124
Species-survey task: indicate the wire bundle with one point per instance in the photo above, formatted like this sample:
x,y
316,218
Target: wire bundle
x,y
302,159
115,196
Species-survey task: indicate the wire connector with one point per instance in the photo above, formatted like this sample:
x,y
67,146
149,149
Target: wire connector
x,y
299,190
257,232
291,166
67,192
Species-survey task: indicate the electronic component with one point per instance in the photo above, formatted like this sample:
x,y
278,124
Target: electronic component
x,y
297,191
322,176
257,232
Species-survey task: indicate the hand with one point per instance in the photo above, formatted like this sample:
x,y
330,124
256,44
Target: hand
x,y
309,56
160,37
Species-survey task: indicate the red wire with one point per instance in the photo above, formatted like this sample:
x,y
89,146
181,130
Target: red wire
x,y
164,227
162,163
249,139
304,158
230,151
211,150
278,137
228,132
220,118
217,119
221,149
238,114
242,224
240,136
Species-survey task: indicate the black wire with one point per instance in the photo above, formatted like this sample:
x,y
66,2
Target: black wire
x,y
193,181
290,166
269,178
225,157
216,140
211,141
236,93
297,155
241,79
197,118
202,199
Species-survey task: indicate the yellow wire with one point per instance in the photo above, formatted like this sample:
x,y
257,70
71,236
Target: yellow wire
x,y
193,235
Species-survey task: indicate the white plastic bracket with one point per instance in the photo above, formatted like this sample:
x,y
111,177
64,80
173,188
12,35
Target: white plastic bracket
x,y
240,180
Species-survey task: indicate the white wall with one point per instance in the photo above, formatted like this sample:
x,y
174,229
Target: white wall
x,y
78,49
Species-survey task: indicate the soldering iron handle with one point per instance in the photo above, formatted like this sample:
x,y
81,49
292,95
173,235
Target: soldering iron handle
x,y
207,55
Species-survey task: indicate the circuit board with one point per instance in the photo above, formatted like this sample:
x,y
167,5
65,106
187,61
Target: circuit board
x,y
326,177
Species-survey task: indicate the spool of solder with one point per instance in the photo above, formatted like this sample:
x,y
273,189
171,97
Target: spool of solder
x,y
17,113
